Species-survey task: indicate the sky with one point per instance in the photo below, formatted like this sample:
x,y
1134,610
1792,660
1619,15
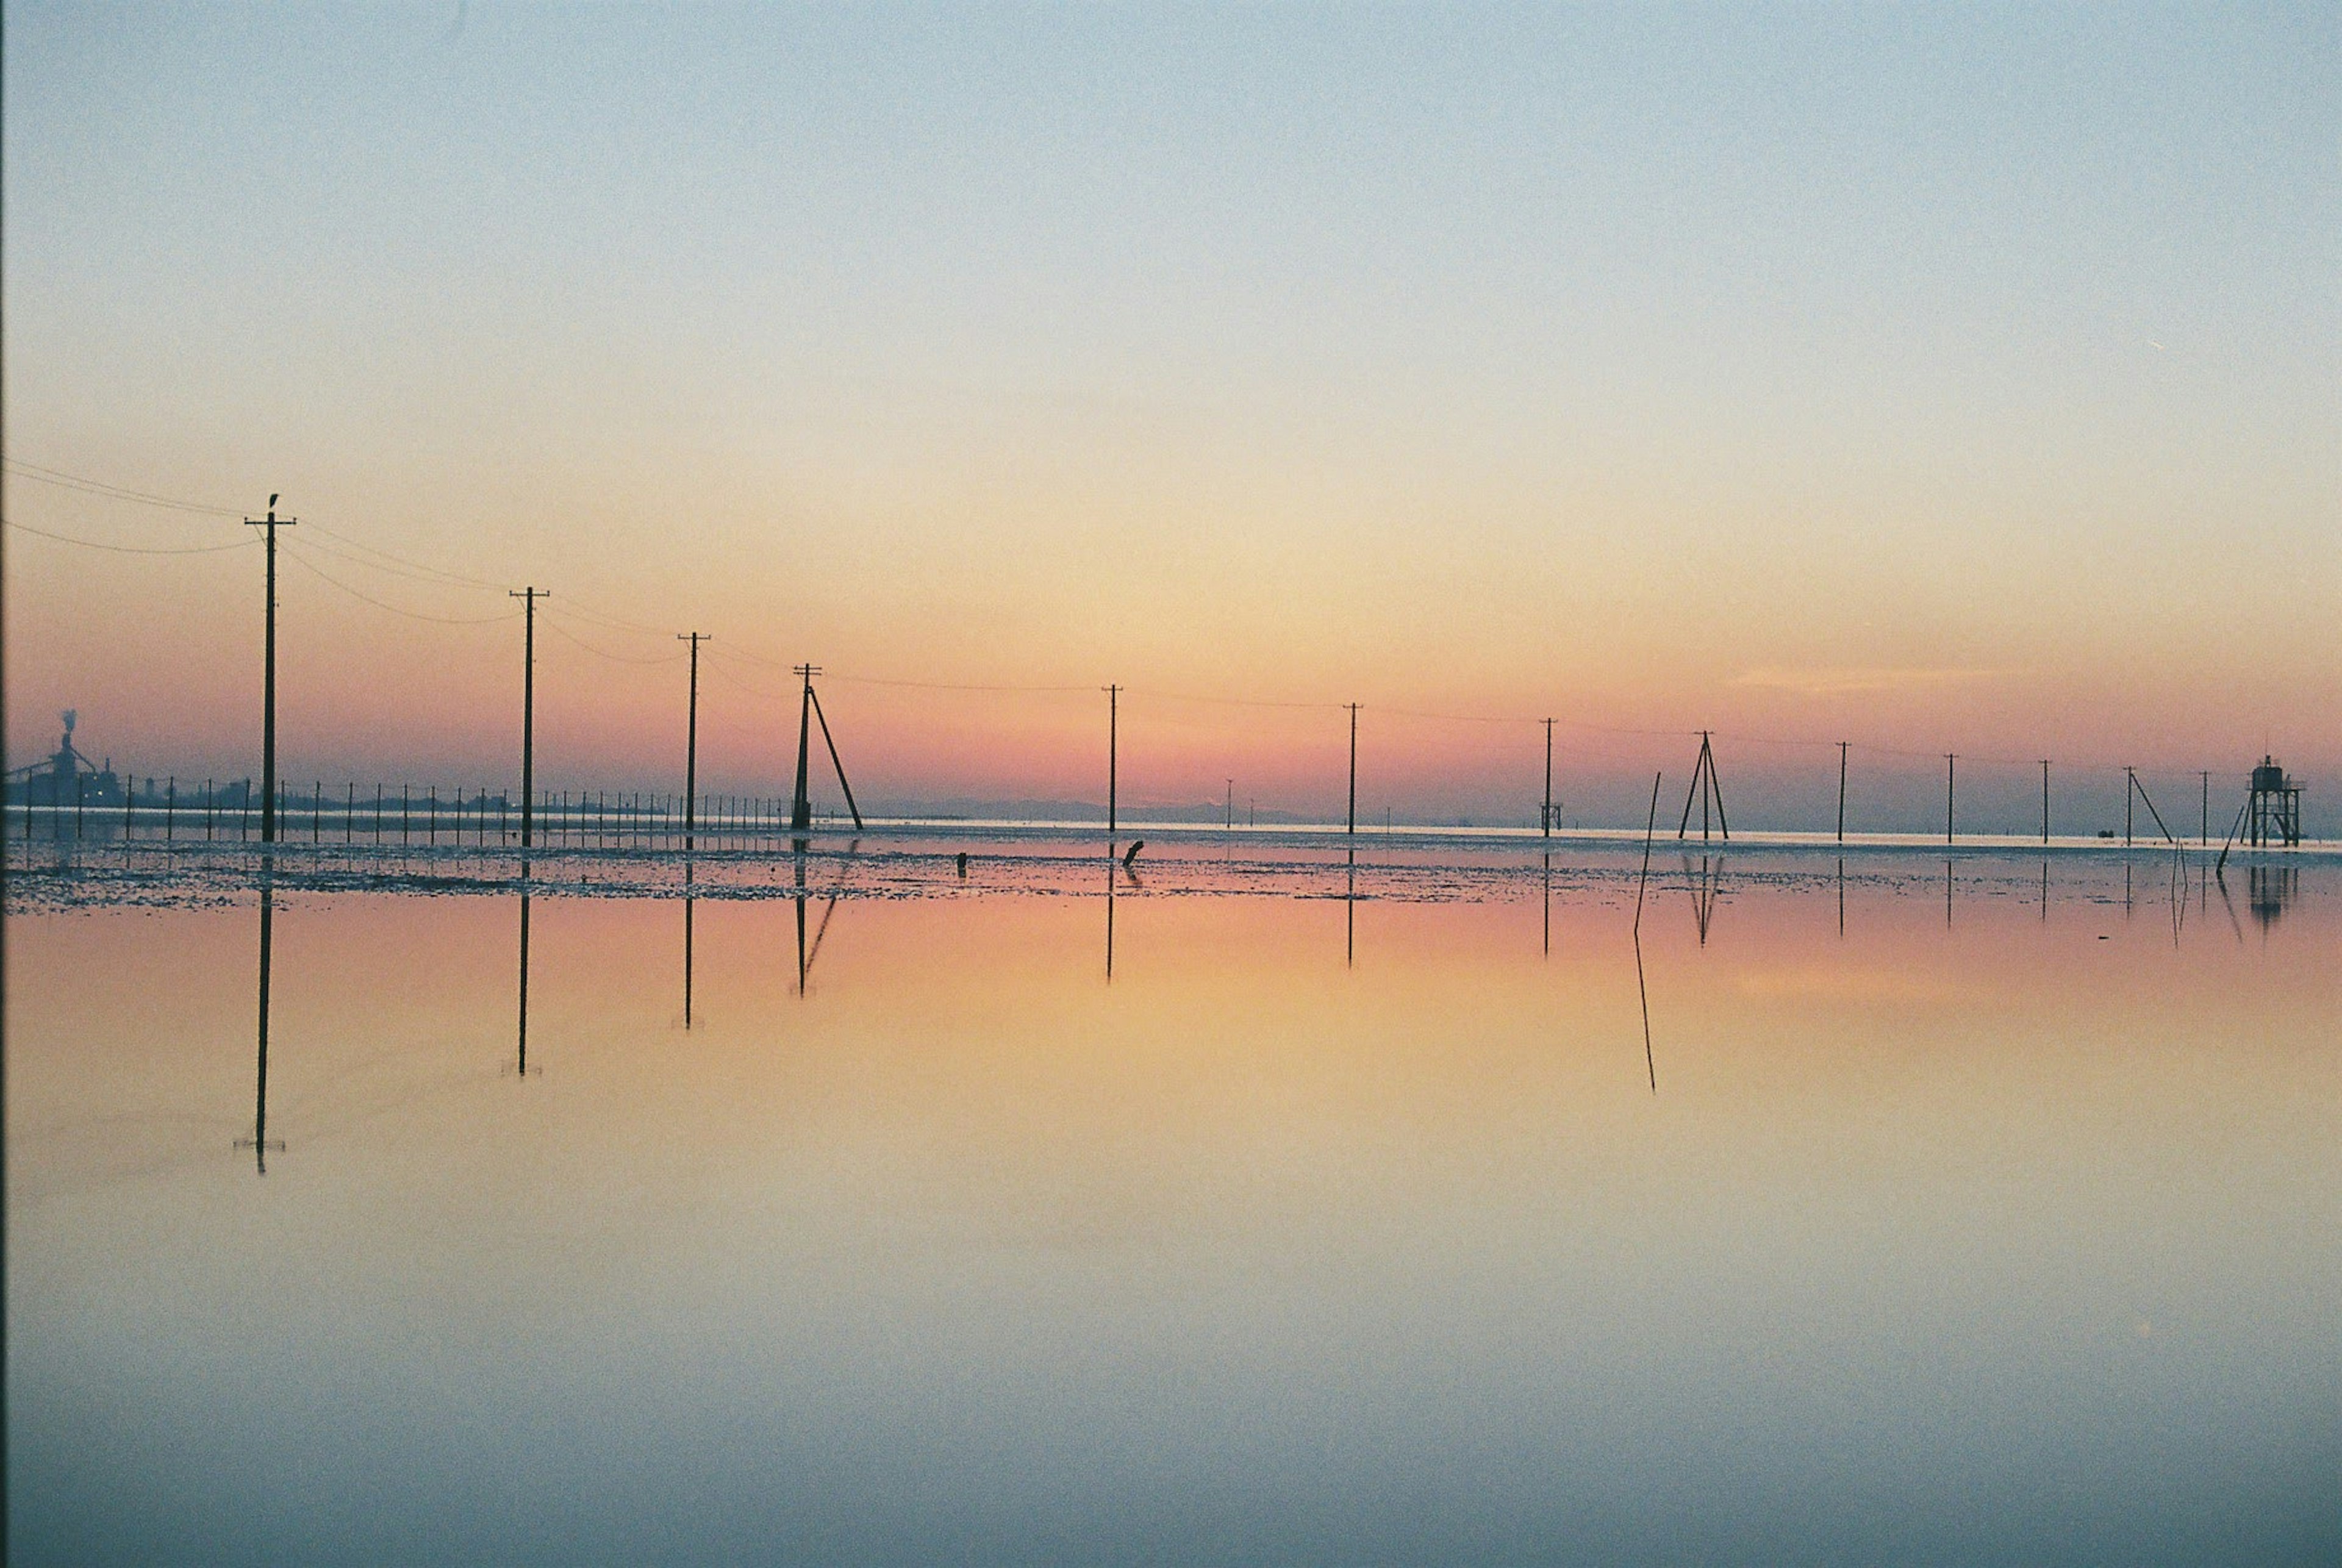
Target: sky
x,y
1942,380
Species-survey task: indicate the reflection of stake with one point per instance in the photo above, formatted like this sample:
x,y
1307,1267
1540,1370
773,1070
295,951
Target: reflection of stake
x,y
1643,990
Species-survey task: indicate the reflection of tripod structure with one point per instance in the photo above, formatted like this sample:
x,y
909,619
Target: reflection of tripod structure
x,y
1707,791
1703,885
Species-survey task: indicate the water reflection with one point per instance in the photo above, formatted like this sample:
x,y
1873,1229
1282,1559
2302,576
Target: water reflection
x,y
2270,890
1548,904
522,1064
686,942
954,1271
260,1143
1350,910
1703,884
807,955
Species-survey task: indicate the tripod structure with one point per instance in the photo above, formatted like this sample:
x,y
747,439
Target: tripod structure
x,y
1707,792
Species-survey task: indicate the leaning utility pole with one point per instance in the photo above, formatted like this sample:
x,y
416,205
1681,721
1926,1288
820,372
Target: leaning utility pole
x,y
1353,768
528,597
691,753
268,697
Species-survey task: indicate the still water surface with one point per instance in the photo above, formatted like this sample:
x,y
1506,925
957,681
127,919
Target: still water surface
x,y
1988,1216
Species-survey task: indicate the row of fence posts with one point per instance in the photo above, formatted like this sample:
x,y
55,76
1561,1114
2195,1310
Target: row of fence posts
x,y
232,810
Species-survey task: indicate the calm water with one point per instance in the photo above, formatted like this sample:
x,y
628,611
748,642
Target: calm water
x,y
1986,1214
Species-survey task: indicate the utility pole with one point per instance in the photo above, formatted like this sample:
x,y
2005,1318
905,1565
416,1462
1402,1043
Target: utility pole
x,y
691,762
1949,761
2204,831
1232,805
800,813
2044,803
1548,824
2130,788
529,596
1113,759
1841,792
809,710
268,697
1353,829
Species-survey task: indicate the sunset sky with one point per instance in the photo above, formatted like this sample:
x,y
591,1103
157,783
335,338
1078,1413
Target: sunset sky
x,y
1941,380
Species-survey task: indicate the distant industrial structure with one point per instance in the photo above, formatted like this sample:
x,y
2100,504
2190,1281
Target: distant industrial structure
x,y
2273,810
65,777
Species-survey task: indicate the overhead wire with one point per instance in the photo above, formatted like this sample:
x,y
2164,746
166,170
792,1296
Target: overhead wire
x,y
558,629
301,560
41,475
246,543
358,552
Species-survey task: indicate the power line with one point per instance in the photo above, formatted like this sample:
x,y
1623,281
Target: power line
x,y
417,573
132,549
313,568
62,480
553,625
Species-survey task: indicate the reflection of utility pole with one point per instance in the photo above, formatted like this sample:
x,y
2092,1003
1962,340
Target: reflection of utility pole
x,y
260,1143
529,596
268,689
523,969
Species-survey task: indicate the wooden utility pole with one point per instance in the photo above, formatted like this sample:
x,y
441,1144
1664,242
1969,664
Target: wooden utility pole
x,y
2130,788
1948,761
528,597
2045,803
800,813
1113,764
1841,792
808,712
2204,828
690,783
1353,829
1547,822
268,689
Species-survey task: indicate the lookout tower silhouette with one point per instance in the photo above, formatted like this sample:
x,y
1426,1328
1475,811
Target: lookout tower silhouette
x,y
2273,810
